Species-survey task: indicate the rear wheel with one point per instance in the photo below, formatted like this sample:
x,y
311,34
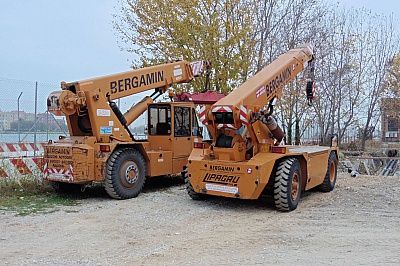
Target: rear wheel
x,y
331,174
125,176
287,186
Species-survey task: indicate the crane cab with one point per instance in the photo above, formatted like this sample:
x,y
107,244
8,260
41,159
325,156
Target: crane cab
x,y
172,129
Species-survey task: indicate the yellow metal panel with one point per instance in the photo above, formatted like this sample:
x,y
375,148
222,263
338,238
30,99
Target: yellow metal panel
x,y
317,168
160,163
182,146
83,167
69,162
248,178
160,143
178,164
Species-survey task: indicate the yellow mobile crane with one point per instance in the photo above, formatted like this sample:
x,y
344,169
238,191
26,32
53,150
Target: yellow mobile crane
x,y
102,148
246,159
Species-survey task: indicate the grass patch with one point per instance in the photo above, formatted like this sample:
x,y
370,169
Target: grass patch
x,y
31,195
36,203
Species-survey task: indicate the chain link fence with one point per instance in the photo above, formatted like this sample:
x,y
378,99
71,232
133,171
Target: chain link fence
x,y
23,112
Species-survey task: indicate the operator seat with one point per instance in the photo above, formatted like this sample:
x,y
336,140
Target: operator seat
x,y
163,129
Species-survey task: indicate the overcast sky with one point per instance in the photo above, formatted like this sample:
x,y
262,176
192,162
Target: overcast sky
x,y
54,40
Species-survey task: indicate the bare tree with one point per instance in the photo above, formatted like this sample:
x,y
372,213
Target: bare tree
x,y
354,52
383,46
350,70
300,25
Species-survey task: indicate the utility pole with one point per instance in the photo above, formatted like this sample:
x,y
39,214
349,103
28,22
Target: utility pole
x,y
19,133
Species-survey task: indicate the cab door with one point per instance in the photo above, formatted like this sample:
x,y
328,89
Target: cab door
x,y
182,131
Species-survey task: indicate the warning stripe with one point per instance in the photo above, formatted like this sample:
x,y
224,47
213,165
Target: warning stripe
x,y
202,115
39,161
243,115
3,173
222,109
37,146
14,150
197,67
20,167
220,126
11,147
226,109
55,173
22,147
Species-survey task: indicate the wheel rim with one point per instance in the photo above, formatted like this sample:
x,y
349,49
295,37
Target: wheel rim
x,y
129,173
295,186
332,172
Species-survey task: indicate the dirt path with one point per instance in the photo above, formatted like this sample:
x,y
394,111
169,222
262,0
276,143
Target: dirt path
x,y
356,224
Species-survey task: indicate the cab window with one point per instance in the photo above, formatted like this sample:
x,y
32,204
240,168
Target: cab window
x,y
181,121
160,120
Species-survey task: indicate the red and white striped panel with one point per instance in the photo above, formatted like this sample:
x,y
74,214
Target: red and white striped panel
x,y
59,174
222,109
20,167
220,126
243,115
202,115
227,109
197,67
11,150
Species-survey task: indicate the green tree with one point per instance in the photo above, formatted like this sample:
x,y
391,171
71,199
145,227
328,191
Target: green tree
x,y
392,78
163,30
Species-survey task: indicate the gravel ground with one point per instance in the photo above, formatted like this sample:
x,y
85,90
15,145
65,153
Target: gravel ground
x,y
356,224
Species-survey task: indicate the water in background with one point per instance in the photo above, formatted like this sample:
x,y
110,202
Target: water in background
x,y
40,137
43,137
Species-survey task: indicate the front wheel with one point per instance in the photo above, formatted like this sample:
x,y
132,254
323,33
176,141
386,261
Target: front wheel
x,y
287,186
189,188
331,174
125,176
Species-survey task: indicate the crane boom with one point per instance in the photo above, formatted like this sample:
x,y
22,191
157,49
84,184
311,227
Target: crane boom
x,y
94,97
263,87
159,77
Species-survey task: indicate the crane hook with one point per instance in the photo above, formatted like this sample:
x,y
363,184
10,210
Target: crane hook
x,y
310,91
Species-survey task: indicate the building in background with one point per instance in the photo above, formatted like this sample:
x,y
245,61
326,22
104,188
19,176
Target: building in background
x,y
44,121
7,118
390,112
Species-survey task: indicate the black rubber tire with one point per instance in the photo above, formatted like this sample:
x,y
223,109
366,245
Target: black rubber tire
x,y
331,174
119,182
288,173
183,174
189,188
62,187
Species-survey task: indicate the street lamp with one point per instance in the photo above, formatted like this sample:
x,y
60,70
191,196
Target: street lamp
x,y
19,133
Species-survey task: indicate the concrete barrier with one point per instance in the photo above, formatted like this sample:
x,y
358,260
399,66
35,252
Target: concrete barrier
x,y
14,150
16,160
21,167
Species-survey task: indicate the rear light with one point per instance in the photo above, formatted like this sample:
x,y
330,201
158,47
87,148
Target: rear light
x,y
278,149
104,148
199,145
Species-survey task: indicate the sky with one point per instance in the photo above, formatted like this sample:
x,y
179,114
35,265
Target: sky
x,y
53,40
50,41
